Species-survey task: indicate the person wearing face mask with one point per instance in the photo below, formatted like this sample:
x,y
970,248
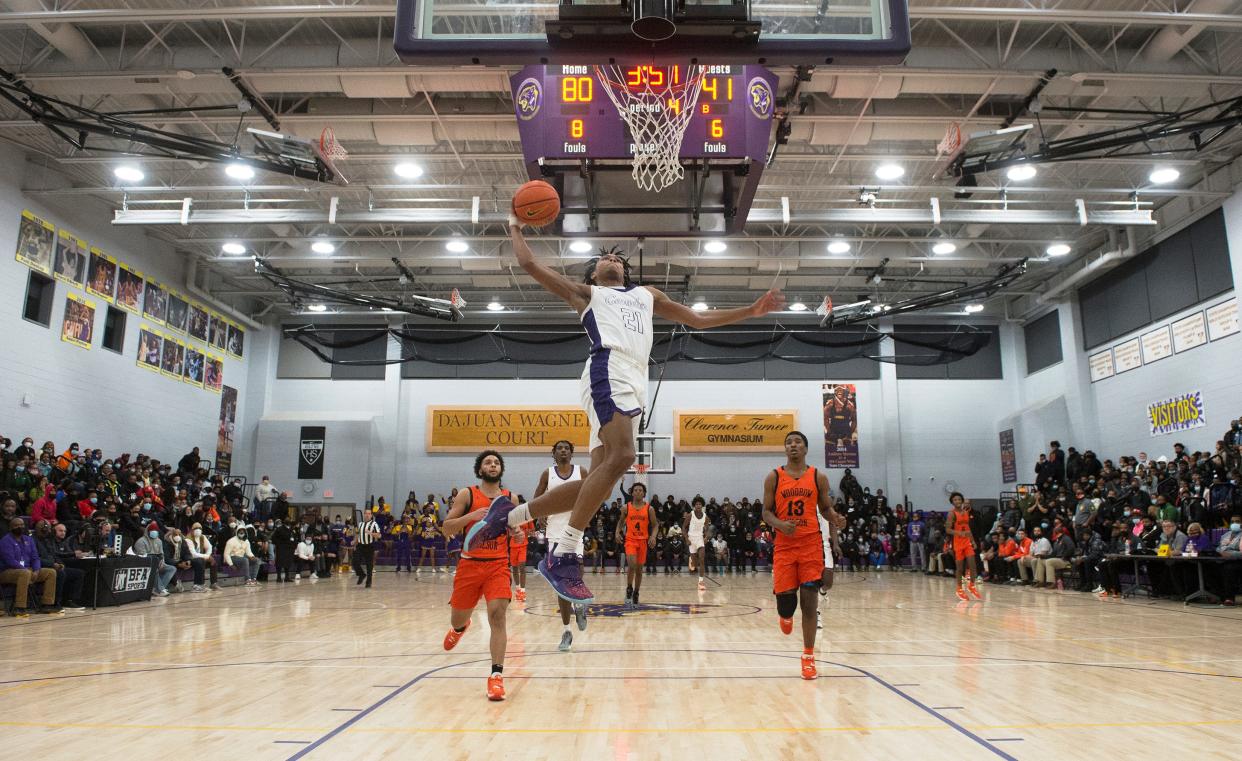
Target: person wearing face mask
x,y
1040,550
21,567
238,554
25,450
150,546
177,552
88,505
265,495
201,558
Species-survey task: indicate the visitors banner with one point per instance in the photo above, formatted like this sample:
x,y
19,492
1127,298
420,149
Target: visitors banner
x,y
725,431
840,425
1176,413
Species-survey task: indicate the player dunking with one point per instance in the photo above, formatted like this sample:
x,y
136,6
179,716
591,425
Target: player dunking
x,y
483,570
798,557
958,528
617,316
563,471
641,527
693,526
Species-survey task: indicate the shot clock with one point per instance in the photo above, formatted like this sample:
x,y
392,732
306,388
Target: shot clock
x,y
564,112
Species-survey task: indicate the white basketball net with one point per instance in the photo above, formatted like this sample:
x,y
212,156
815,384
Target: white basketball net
x,y
657,118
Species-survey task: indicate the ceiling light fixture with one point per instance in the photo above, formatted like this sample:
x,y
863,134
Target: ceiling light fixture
x,y
581,246
128,173
890,171
1020,172
715,247
797,306
317,308
1163,175
1057,249
408,170
944,247
457,246
323,247
239,171
974,308
699,306
495,306
839,247
233,248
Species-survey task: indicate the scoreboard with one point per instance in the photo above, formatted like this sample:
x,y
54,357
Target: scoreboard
x,y
565,112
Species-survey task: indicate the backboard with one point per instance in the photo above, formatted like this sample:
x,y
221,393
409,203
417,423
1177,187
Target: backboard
x,y
654,450
772,32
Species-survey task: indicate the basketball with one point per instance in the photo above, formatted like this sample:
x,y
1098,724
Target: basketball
x,y
536,203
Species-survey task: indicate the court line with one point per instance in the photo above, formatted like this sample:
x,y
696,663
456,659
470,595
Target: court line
x,y
653,677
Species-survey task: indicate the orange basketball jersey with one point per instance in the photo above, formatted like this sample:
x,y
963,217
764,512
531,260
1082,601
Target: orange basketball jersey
x,y
637,522
493,549
797,501
960,521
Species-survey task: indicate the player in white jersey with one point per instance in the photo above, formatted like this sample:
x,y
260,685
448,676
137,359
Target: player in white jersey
x,y
563,472
695,528
617,316
830,542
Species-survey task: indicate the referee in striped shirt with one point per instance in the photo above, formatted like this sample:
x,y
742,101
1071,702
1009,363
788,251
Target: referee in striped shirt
x,y
364,553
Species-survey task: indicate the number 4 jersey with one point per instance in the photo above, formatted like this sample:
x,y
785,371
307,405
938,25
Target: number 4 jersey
x,y
797,501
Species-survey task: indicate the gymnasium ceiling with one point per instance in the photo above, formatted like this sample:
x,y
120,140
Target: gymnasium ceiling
x,y
973,64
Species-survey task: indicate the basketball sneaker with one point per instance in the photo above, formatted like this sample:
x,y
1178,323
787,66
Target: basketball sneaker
x,y
495,687
970,586
520,596
567,641
564,573
961,594
786,625
453,637
808,667
819,619
580,615
493,525
702,586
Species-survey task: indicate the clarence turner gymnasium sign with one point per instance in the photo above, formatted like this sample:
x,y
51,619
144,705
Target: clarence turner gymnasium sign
x,y
509,429
724,431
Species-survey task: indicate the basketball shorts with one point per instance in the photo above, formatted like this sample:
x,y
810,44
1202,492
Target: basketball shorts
x,y
611,384
962,549
828,559
488,579
696,543
796,565
637,548
517,553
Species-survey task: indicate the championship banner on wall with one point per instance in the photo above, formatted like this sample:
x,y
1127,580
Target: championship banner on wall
x,y
1177,413
840,425
224,434
310,452
513,429
725,431
1009,458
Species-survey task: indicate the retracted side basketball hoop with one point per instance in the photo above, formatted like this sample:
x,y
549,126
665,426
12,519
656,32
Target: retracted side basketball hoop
x,y
825,311
657,113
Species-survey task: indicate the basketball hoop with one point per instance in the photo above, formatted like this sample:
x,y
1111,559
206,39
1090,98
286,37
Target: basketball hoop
x,y
656,115
951,141
456,300
825,310
640,470
330,147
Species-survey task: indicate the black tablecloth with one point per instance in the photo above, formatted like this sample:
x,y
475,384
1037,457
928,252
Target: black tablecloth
x,y
117,580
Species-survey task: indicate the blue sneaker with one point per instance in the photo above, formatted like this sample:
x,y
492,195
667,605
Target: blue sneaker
x,y
580,613
564,573
493,525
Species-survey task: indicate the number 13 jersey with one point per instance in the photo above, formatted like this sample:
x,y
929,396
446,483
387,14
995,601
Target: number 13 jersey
x,y
797,501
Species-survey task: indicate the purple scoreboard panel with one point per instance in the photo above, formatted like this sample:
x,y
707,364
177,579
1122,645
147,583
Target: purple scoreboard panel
x,y
564,112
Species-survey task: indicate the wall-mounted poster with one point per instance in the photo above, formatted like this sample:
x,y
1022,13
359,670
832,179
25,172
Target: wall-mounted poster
x,y
1222,319
1127,356
101,275
1157,344
178,311
840,425
71,253
35,239
236,340
1177,413
79,325
150,348
1189,332
196,326
128,289
1008,457
195,362
213,374
218,332
224,433
154,301
173,362
1101,365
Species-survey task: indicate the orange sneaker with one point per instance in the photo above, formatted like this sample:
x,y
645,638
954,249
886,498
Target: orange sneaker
x,y
961,594
974,590
453,637
495,687
808,667
520,595
786,625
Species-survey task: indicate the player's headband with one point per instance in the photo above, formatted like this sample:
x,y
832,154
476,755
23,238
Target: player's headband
x,y
616,251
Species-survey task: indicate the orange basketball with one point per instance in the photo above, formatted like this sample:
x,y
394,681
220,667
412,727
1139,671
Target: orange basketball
x,y
536,203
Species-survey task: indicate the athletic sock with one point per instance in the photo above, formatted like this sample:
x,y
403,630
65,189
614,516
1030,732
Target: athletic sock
x,y
570,542
497,668
808,651
629,592
566,627
519,515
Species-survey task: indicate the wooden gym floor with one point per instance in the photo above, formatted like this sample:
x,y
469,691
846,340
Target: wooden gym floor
x,y
336,672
